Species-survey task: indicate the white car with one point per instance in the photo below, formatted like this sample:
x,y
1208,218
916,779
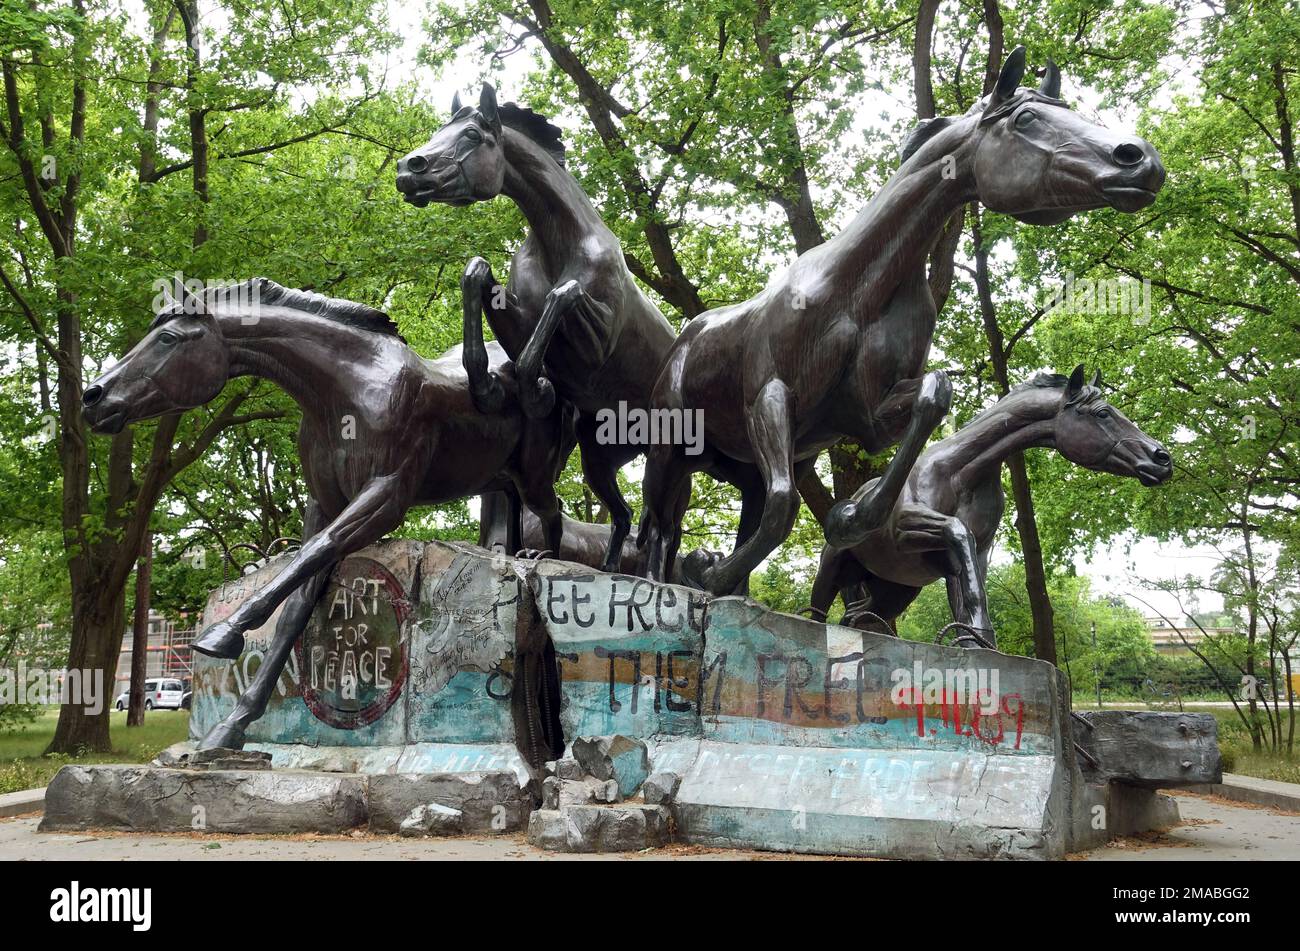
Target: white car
x,y
158,695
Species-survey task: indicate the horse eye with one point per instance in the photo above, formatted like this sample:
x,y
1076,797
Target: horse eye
x,y
473,134
1103,414
167,338
1025,119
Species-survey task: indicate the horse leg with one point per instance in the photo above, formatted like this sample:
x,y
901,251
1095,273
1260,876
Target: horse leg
x,y
966,592
498,520
836,571
538,494
535,391
667,479
919,529
885,599
477,287
850,521
770,427
600,466
229,733
377,508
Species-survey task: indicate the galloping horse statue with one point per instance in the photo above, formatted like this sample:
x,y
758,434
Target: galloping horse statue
x,y
382,430
571,301
943,524
835,346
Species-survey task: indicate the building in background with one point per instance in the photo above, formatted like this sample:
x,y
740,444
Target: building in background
x,y
169,652
1173,641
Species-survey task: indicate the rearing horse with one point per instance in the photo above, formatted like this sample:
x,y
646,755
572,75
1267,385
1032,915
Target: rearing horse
x,y
944,522
571,302
835,346
382,430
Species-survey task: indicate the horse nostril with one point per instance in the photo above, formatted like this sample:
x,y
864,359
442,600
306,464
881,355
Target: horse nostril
x,y
417,164
92,395
1162,457
1126,153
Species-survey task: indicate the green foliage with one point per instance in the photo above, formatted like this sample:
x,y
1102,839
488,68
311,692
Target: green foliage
x,y
725,135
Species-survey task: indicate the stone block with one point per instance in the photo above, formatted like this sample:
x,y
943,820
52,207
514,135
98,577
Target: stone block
x,y
1148,748
661,788
153,799
489,802
432,819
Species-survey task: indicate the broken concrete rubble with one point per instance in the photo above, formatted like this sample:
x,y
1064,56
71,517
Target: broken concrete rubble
x,y
661,788
623,760
629,827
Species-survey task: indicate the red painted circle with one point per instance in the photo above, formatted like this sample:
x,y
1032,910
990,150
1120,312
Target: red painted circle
x,y
323,703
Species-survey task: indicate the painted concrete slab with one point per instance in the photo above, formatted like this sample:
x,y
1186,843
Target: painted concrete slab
x,y
346,676
462,648
628,652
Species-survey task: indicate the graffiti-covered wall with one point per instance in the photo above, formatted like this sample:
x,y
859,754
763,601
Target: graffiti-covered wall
x,y
787,733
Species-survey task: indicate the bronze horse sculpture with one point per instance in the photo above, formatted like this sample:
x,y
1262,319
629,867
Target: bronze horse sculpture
x,y
944,522
382,430
571,301
836,345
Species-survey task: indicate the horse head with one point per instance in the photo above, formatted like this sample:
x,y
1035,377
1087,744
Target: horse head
x,y
181,363
1038,161
463,163
1094,434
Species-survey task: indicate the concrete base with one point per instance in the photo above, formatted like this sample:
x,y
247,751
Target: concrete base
x,y
162,799
899,804
787,734
153,799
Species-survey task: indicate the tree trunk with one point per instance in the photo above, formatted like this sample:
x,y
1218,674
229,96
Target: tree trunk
x,y
97,628
1040,603
140,633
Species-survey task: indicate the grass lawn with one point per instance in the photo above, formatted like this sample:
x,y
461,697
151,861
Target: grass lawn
x,y
23,767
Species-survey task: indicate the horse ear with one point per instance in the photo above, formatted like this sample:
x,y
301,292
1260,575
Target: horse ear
x,y
455,104
1076,381
1096,379
1051,84
1013,70
487,107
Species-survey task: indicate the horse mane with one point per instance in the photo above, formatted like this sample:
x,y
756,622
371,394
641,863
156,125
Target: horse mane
x,y
263,290
1057,381
926,129
536,126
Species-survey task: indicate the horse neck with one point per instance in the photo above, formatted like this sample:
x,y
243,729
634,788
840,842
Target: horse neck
x,y
301,353
558,210
1023,419
894,234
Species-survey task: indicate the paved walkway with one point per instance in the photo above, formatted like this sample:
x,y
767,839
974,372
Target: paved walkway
x,y
1213,829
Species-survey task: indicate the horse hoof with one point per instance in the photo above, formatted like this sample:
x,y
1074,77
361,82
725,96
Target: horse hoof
x,y
223,736
538,400
533,554
222,640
